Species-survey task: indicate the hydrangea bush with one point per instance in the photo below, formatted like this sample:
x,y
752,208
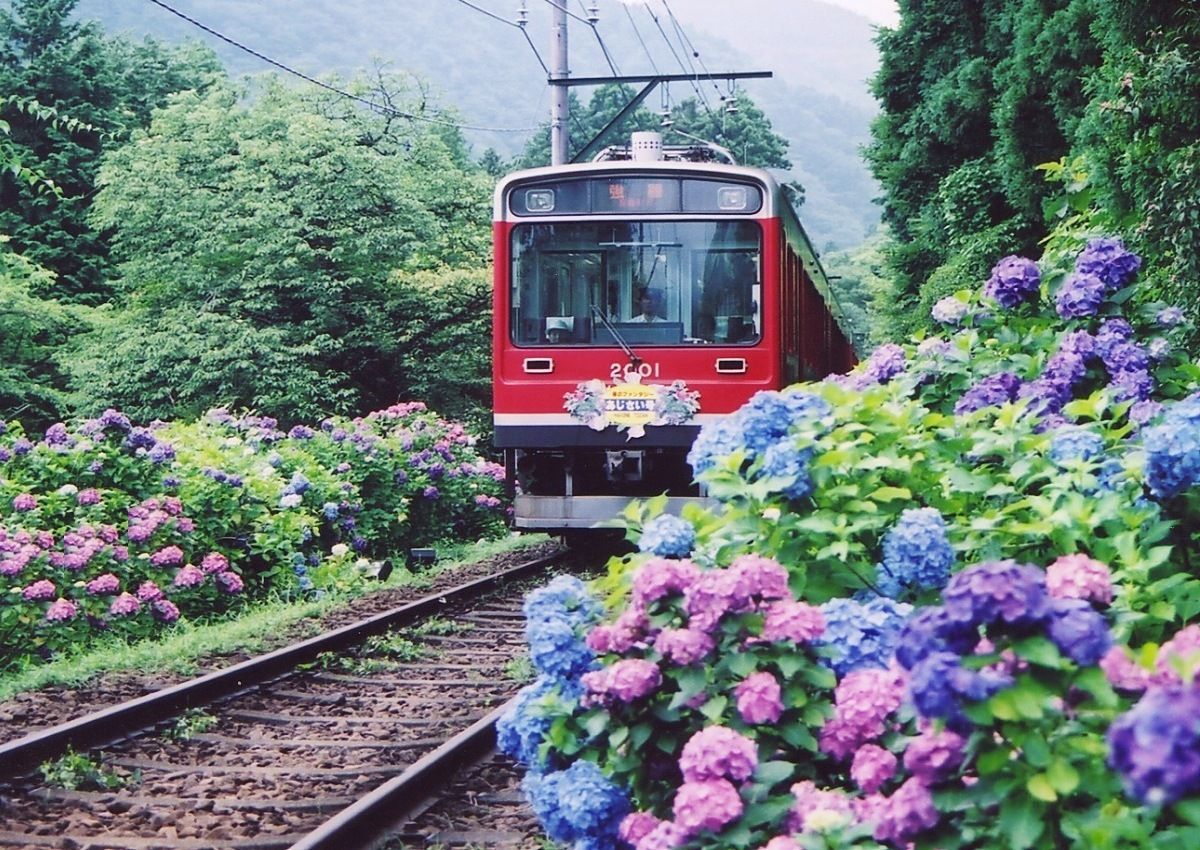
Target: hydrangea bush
x,y
108,527
944,602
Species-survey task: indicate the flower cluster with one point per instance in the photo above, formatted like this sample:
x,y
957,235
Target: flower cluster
x,y
1014,280
916,553
1173,449
862,634
668,536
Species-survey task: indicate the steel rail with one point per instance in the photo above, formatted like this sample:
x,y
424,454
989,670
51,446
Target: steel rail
x,y
111,724
368,822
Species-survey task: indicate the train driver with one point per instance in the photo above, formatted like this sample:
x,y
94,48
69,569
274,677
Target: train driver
x,y
648,304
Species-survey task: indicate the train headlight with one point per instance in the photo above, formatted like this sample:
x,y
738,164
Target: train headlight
x,y
732,198
539,200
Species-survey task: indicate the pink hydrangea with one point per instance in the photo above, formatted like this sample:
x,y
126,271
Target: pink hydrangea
x,y
168,556
933,756
148,591
759,698
165,610
1178,657
809,798
863,700
189,576
797,622
625,681
684,646
24,502
214,562
763,577
104,585
1122,672
90,496
124,605
637,825
707,804
62,610
906,814
620,636
718,752
662,577
230,582
781,842
1079,577
713,595
666,836
872,766
39,591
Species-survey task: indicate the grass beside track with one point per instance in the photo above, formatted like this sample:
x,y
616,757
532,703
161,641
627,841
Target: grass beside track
x,y
256,629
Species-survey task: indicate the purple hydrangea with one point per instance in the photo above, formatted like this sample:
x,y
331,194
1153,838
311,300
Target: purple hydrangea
x,y
949,310
684,646
189,576
39,591
124,605
1132,385
991,391
872,766
104,585
1079,631
934,756
906,814
1170,317
997,592
1014,280
940,686
23,502
1155,746
61,610
165,610
1080,296
886,362
230,582
1109,260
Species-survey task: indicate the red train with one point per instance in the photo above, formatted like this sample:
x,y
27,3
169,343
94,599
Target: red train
x,y
636,298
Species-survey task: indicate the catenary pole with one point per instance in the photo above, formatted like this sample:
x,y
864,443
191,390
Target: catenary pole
x,y
560,139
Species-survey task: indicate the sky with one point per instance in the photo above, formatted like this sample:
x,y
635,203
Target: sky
x,y
882,12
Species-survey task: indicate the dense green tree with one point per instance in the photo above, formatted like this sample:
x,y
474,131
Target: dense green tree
x,y
975,97
254,239
31,329
111,85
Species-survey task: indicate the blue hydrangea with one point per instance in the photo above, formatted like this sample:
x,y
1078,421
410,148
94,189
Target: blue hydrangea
x,y
1079,631
522,727
940,686
784,461
931,630
916,552
556,618
1014,280
1080,295
1075,443
716,440
861,634
1173,449
765,418
579,804
668,537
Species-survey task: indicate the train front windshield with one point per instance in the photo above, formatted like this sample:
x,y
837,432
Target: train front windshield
x,y
644,282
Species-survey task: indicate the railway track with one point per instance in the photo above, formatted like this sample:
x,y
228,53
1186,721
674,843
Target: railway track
x,y
334,742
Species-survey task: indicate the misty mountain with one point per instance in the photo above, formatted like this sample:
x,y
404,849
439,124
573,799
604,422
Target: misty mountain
x,y
491,76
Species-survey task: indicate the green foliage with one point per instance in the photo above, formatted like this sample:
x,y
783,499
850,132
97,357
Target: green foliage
x,y
256,243
32,330
80,772
70,93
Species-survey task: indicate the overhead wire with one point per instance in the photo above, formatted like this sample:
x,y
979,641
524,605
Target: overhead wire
x,y
689,46
641,41
696,88
378,107
603,47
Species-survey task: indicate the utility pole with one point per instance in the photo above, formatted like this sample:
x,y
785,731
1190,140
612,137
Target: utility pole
x,y
560,136
560,82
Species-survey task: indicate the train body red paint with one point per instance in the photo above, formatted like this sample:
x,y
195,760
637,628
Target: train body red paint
x,y
635,301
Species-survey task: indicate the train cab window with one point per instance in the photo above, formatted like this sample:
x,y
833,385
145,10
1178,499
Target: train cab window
x,y
650,283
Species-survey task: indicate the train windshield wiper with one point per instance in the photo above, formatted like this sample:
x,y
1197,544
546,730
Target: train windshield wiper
x,y
634,360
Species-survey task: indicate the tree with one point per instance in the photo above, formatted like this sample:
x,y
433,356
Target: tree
x,y
107,84
254,238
